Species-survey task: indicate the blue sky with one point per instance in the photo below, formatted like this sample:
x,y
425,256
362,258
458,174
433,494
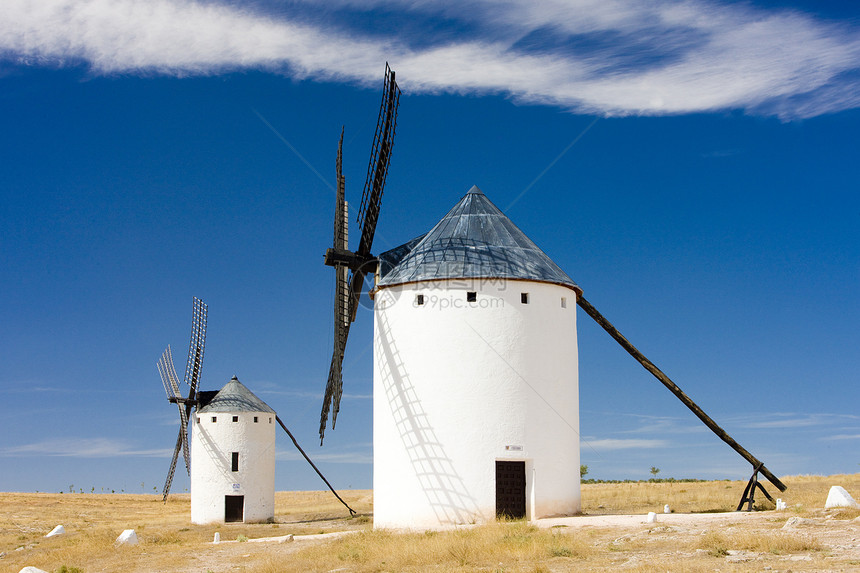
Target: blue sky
x,y
693,166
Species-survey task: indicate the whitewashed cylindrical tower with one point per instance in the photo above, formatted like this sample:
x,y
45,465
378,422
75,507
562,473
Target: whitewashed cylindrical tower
x,y
232,457
475,387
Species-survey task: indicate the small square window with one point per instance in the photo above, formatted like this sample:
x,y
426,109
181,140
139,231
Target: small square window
x,y
255,419
235,418
524,297
419,299
563,302
214,419
471,296
235,462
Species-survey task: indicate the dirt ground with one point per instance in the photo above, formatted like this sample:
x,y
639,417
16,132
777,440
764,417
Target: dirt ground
x,y
313,532
670,542
839,538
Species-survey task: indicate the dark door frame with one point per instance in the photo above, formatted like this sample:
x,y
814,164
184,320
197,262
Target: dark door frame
x,y
234,508
511,489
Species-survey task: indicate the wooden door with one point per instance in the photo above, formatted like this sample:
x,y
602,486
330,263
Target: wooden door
x,y
511,489
234,508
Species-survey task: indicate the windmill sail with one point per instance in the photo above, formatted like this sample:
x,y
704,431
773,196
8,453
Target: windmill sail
x,y
193,369
168,374
347,292
194,364
377,167
169,479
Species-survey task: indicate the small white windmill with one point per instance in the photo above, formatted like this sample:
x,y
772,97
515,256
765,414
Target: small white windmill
x,y
233,449
232,440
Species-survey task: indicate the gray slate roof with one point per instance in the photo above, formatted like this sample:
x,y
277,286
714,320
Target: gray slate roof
x,y
474,240
235,397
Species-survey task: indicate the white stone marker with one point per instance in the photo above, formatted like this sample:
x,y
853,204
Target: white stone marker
x,y
652,517
838,497
127,537
59,530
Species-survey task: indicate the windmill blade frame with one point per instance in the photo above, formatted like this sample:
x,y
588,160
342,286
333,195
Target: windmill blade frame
x,y
167,371
170,381
380,159
334,384
348,291
342,301
165,491
183,432
196,346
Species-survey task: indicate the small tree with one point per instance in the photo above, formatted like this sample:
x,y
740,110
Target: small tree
x,y
654,471
583,469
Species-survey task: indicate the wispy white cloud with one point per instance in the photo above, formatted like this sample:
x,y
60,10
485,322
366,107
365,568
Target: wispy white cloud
x,y
349,457
649,424
82,448
792,420
843,437
624,444
604,57
25,388
348,396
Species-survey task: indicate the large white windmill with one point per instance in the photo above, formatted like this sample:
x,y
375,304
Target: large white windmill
x,y
475,362
475,384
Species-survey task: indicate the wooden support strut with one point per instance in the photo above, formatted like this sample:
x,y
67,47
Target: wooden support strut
x,y
748,496
650,367
319,473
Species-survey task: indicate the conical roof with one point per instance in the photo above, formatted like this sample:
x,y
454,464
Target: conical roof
x,y
235,397
474,240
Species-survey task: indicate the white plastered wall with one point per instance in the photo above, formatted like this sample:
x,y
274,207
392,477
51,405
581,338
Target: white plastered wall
x,y
459,385
212,478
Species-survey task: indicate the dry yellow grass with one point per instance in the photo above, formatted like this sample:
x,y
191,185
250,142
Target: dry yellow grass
x,y
93,522
719,543
514,546
804,492
170,543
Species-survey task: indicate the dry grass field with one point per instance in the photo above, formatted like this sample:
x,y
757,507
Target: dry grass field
x,y
699,536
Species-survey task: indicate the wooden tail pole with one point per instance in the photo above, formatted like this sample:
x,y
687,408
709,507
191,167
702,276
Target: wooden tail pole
x,y
650,367
319,473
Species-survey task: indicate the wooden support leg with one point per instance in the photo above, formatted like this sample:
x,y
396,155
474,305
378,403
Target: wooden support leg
x,y
764,491
748,497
